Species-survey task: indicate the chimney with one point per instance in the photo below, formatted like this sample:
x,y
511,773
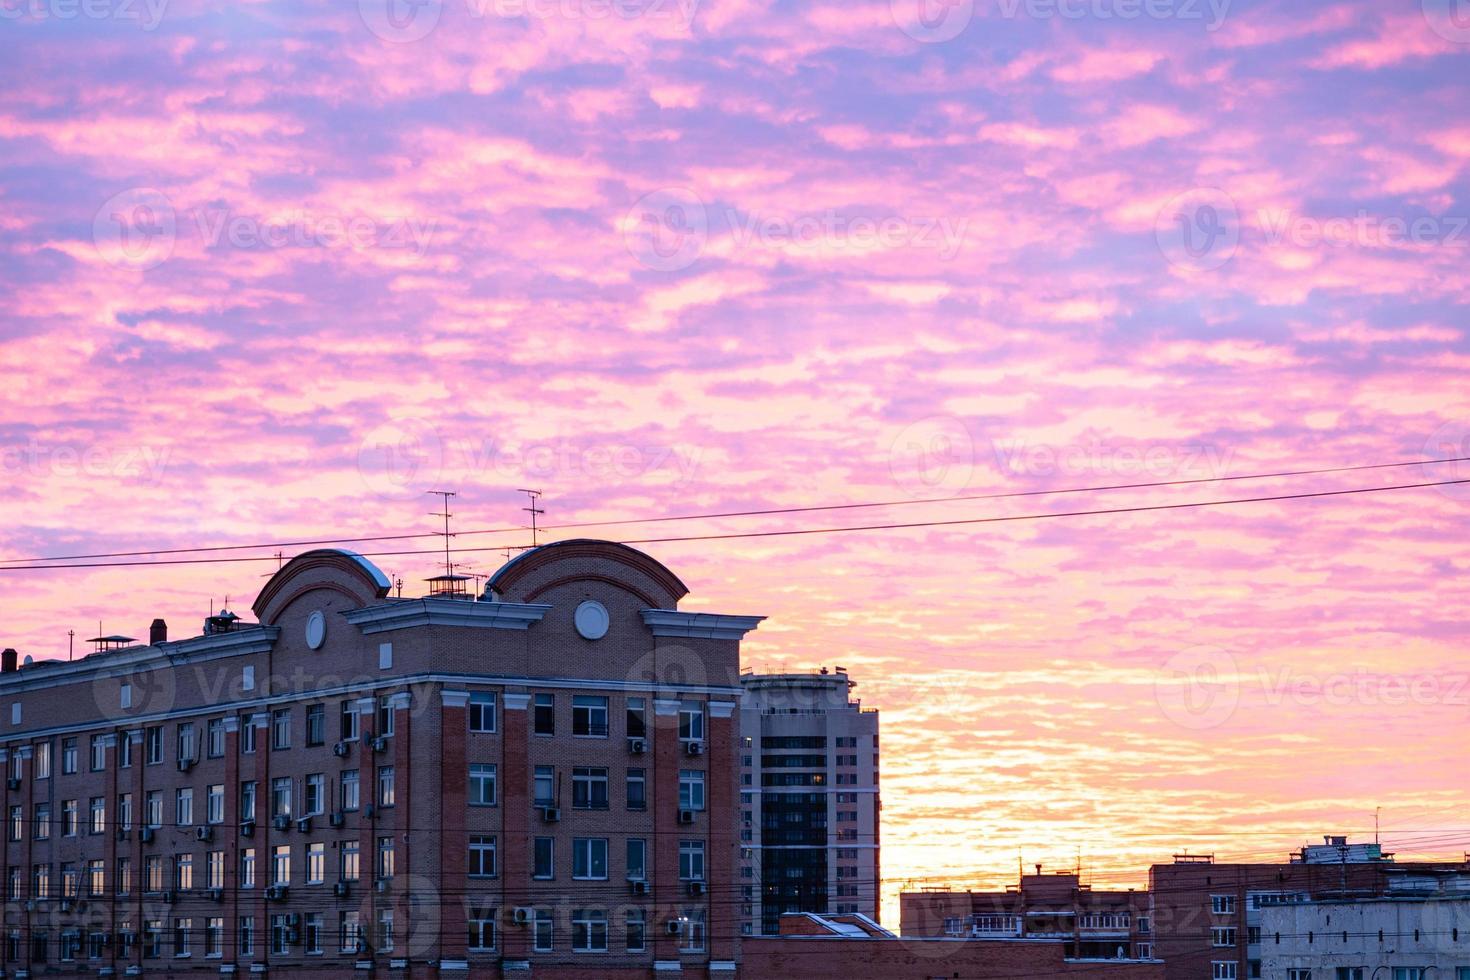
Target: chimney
x,y
158,632
9,661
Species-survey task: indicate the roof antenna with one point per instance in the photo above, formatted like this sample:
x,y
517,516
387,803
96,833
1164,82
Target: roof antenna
x,y
1376,811
70,638
446,494
533,510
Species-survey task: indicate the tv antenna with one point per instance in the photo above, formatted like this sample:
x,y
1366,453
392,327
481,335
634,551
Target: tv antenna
x,y
533,510
446,494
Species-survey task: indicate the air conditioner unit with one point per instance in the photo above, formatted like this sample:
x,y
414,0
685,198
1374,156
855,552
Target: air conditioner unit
x,y
65,905
686,816
281,823
381,884
146,835
13,782
293,937
696,888
277,893
304,825
247,828
337,819
185,765
673,927
214,894
639,887
293,921
122,833
340,889
341,749
205,834
360,947
694,748
551,814
637,746
369,810
521,916
168,898
380,744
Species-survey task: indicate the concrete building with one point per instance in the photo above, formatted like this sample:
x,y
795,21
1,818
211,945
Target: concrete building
x,y
1087,923
809,800
539,781
1418,930
1208,917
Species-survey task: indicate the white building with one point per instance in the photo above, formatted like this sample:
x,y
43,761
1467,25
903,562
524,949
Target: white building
x,y
1419,931
808,799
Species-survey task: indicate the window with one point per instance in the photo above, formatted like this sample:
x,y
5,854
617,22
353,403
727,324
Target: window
x,y
125,811
68,756
589,858
153,880
691,721
482,856
153,938
637,931
545,786
1298,975
182,928
43,759
71,885
186,742
1222,904
351,790
280,934
153,745
1358,973
41,881
691,860
351,860
314,933
385,715
543,936
214,937
214,869
544,865
691,937
482,785
247,867
349,927
1222,937
589,717
184,807
247,734
386,793
385,930
637,859
316,863
589,931
42,822
1410,973
316,724
281,796
69,818
247,935
349,726
281,729
691,789
482,929
214,803
247,800
589,788
17,822
637,721
385,857
124,876
544,716
96,878
214,738
637,790
281,864
316,795
183,872
482,717
1223,970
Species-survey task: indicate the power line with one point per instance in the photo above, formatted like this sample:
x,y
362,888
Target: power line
x,y
765,512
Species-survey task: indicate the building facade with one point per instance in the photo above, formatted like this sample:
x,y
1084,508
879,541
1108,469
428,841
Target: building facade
x,y
1419,930
1208,918
538,781
809,800
1086,923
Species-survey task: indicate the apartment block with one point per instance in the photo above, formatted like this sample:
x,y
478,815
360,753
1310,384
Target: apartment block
x,y
538,781
809,799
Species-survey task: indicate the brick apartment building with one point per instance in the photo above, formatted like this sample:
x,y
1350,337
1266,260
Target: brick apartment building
x,y
1085,923
539,781
1208,916
809,801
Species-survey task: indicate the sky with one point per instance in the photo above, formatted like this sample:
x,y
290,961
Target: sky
x,y
273,270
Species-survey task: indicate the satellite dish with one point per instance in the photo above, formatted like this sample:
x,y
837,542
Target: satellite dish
x,y
28,660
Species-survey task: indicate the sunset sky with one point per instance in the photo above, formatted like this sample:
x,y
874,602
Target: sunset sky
x,y
273,269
